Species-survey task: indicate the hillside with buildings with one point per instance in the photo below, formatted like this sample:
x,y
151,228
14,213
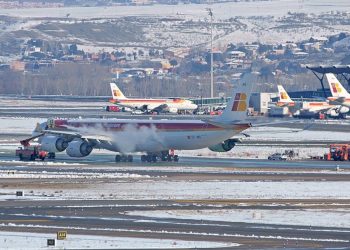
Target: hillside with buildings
x,y
165,55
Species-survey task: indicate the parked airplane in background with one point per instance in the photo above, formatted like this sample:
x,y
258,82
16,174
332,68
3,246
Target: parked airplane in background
x,y
305,108
154,137
340,95
283,97
172,105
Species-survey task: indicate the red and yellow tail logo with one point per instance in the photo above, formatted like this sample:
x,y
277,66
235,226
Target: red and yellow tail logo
x,y
240,102
336,88
116,93
284,95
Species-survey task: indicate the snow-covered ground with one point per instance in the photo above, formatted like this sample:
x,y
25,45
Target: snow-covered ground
x,y
10,103
221,11
298,135
306,217
66,175
256,152
260,20
161,189
17,125
34,241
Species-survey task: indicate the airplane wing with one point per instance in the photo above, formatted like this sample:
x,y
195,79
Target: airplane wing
x,y
82,135
340,101
120,104
70,133
226,126
159,108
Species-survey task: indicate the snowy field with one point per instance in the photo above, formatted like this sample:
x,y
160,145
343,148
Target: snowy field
x,y
18,125
11,103
34,241
222,10
192,190
259,21
306,217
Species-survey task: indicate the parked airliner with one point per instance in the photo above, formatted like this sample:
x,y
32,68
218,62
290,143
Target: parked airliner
x,y
156,138
340,96
309,108
172,105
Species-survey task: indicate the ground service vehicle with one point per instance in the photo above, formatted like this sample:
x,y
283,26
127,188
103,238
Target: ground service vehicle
x,y
277,157
338,152
113,109
30,153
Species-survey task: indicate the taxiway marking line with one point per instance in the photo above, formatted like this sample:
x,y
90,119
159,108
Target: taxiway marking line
x,y
29,220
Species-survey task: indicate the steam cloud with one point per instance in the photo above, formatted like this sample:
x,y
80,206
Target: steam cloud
x,y
130,139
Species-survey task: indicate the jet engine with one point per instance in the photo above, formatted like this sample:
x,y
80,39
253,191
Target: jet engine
x,y
338,112
78,148
224,146
343,110
173,110
333,113
52,143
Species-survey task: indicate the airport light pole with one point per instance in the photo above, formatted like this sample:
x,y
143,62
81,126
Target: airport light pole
x,y
210,13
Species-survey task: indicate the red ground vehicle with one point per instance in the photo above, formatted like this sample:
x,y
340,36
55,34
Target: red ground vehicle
x,y
339,152
30,153
113,109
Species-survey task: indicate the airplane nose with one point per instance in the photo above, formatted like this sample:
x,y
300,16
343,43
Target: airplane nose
x,y
194,106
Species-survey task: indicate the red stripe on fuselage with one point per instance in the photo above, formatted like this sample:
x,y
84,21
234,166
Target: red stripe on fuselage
x,y
142,101
339,98
117,126
319,104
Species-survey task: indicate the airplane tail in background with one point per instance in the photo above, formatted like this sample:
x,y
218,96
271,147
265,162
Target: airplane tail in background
x,y
237,108
283,96
116,92
336,87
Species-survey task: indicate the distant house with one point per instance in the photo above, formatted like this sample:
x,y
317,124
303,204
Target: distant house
x,y
300,54
236,54
17,66
176,53
310,47
319,39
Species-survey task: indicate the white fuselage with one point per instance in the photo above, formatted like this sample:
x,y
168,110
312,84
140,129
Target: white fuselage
x,y
150,104
152,135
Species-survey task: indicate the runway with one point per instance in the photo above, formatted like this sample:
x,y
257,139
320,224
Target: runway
x,y
229,200
111,218
60,195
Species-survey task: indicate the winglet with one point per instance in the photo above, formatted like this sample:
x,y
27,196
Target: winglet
x,y
116,92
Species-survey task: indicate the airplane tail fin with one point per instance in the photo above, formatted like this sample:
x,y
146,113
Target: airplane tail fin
x,y
337,89
237,108
283,96
116,92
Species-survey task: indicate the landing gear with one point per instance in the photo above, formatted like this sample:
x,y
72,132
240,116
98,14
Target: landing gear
x,y
124,158
162,156
51,155
149,158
